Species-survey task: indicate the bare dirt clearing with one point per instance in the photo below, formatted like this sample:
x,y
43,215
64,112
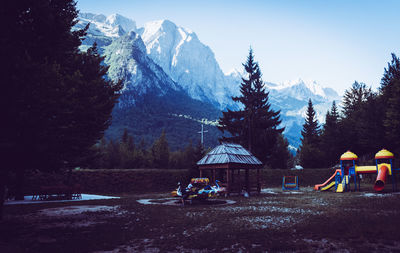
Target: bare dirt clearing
x,y
304,220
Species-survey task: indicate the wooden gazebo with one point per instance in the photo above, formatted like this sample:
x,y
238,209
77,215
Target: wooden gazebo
x,y
233,165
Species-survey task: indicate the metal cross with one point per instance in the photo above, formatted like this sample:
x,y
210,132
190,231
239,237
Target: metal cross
x,y
202,134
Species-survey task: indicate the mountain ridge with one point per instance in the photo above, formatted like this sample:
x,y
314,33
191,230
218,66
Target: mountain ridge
x,y
176,56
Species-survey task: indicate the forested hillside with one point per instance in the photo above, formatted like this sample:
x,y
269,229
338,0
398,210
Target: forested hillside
x,y
367,122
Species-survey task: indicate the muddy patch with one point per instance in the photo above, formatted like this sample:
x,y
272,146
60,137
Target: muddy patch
x,y
266,222
178,202
73,216
74,210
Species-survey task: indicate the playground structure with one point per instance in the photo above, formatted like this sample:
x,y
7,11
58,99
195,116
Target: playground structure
x,y
349,171
290,183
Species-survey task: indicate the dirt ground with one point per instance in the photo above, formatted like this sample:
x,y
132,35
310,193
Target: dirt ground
x,y
274,221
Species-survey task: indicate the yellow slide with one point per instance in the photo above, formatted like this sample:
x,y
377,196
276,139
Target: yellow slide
x,y
344,182
318,186
339,188
328,186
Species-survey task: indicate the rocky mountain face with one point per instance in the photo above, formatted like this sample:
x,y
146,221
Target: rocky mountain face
x,y
188,62
170,77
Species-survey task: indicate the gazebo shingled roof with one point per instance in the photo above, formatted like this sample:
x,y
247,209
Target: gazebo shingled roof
x,y
232,158
229,153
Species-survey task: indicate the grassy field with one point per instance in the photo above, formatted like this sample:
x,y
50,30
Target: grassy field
x,y
274,221
109,181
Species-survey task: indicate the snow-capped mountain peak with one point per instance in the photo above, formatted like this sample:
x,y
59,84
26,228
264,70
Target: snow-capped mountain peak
x,y
188,61
234,73
112,26
154,28
303,90
94,17
314,87
156,34
118,20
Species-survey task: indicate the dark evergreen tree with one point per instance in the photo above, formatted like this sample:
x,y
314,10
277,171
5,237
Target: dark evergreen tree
x,y
390,76
309,153
256,125
160,152
189,156
281,158
127,151
98,161
311,129
113,155
125,136
58,102
353,118
390,97
353,98
196,155
331,137
130,144
371,134
142,145
142,155
177,160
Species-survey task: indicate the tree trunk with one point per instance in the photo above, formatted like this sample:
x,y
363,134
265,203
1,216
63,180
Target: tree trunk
x,y
69,182
20,180
2,192
69,175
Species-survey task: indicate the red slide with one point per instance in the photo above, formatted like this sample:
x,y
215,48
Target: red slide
x,y
381,179
317,186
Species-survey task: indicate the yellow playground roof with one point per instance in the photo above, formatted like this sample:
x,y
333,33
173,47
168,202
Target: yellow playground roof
x,y
384,154
348,156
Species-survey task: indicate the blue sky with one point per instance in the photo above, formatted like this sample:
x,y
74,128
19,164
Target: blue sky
x,y
331,42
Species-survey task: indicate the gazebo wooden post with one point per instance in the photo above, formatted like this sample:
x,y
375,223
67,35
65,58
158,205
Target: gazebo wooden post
x,y
247,180
235,178
213,176
228,183
239,181
201,173
258,181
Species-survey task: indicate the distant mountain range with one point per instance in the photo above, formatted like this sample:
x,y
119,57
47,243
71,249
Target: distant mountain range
x,y
173,82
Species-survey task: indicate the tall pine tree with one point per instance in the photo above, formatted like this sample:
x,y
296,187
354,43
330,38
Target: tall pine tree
x,y
390,90
311,129
58,103
256,125
371,136
331,137
309,152
354,97
353,118
160,152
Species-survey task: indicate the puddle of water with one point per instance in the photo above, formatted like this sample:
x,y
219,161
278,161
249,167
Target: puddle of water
x,y
177,202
